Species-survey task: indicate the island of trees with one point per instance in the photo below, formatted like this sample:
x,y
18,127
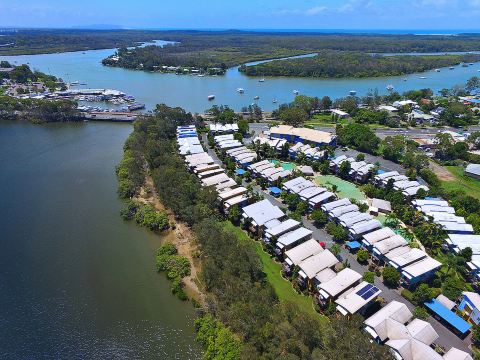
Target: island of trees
x,y
354,64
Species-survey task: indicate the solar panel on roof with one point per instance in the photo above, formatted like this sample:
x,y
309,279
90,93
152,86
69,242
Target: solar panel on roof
x,y
364,289
369,293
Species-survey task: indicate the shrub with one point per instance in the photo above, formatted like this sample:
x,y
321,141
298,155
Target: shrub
x,y
362,256
421,294
369,276
391,276
421,313
175,266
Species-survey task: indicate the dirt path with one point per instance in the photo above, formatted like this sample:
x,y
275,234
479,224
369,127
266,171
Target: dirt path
x,y
182,237
442,173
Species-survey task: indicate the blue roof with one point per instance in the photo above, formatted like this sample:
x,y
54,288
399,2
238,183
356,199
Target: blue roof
x,y
353,244
380,172
449,316
275,190
240,171
432,198
474,101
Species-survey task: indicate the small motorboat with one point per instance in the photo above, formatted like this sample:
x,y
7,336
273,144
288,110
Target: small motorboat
x,y
423,77
211,97
437,70
261,80
275,100
390,87
295,92
256,97
240,90
451,67
352,93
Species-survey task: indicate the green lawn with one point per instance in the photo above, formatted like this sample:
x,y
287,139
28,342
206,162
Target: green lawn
x,y
462,182
283,288
345,189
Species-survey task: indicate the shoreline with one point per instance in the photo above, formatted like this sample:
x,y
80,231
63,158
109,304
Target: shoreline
x,y
179,235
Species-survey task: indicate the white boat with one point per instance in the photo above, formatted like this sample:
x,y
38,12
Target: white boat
x,y
256,97
405,79
352,93
437,70
390,87
201,75
240,90
295,92
261,80
423,77
451,67
275,100
211,97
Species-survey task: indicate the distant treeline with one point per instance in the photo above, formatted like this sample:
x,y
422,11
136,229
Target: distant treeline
x,y
22,74
348,64
38,111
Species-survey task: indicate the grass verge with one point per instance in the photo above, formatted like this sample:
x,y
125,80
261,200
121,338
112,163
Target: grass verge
x,y
462,182
283,288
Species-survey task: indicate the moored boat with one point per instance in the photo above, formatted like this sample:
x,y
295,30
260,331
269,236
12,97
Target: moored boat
x,y
211,97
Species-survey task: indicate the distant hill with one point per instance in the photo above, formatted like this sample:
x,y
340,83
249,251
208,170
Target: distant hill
x,y
98,27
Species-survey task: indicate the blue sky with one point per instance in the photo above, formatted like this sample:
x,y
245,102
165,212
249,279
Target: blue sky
x,y
244,14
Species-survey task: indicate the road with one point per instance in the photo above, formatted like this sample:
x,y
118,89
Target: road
x,y
447,339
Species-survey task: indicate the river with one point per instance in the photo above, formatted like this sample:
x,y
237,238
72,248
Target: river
x,y
76,282
190,92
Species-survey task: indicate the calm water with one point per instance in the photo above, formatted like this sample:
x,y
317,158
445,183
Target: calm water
x,y
76,281
190,92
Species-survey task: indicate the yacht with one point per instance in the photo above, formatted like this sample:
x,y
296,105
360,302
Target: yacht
x,y
240,90
261,80
390,87
211,97
451,67
437,70
256,97
295,92
352,93
275,100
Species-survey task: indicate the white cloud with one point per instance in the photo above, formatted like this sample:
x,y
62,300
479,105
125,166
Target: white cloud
x,y
316,10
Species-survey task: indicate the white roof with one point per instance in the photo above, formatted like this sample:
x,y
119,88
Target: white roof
x,y
281,174
378,235
427,209
456,354
282,227
288,184
473,169
421,267
341,282
293,236
322,197
352,301
303,251
226,184
227,194
364,227
235,201
437,202
257,164
262,211
314,264
456,227
407,258
463,239
449,304
216,179
386,245
354,218
311,192
325,275
270,171
414,190
394,310
297,188
339,211
209,173
386,175
332,205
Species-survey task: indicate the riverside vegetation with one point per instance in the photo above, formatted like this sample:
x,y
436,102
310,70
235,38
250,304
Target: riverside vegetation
x,y
243,318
